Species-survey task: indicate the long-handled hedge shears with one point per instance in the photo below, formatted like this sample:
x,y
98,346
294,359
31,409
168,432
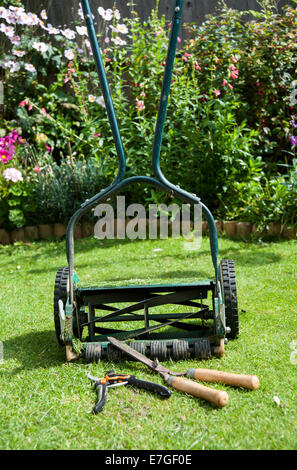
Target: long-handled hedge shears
x,y
175,379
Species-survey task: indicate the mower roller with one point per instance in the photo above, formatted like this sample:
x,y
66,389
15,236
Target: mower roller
x,y
97,308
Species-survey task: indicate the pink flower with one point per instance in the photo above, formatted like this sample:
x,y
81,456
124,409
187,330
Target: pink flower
x,y
224,82
233,72
139,105
217,93
97,134
25,103
234,59
44,113
197,66
258,83
230,86
48,148
37,169
186,56
4,156
178,39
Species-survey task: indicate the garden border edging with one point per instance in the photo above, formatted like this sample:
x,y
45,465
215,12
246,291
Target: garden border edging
x,y
230,228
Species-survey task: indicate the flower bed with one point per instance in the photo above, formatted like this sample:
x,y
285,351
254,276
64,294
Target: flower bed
x,y
230,136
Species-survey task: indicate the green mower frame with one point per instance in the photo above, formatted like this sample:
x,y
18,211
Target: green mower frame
x,y
173,337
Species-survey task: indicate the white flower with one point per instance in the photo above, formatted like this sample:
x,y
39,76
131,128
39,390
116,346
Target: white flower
x,y
117,15
15,40
68,33
88,44
69,54
40,46
19,53
31,19
100,100
3,64
30,68
7,30
122,28
3,12
52,30
10,17
106,14
118,41
43,15
12,174
7,64
92,98
115,30
82,30
15,67
80,12
22,18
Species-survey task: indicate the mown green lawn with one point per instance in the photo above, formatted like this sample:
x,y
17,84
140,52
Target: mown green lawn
x,y
46,403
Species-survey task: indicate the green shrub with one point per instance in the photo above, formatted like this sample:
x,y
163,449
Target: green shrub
x,y
267,200
60,189
228,125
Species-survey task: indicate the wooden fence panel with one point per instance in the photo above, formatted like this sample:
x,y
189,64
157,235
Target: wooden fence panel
x,y
62,12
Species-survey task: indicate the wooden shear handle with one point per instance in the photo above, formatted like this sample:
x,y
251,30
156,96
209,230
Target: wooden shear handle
x,y
217,397
250,382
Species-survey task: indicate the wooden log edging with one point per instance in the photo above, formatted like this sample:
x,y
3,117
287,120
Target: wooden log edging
x,y
231,229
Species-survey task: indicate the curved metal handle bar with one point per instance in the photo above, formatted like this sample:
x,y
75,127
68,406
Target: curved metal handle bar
x,y
108,192
119,183
175,26
105,91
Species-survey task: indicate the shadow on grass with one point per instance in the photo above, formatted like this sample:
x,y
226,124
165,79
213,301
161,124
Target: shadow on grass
x,y
33,350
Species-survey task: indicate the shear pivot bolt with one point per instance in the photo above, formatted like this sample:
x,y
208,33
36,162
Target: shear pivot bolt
x,y
228,329
177,9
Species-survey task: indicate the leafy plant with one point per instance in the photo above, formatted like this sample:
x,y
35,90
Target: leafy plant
x,y
60,189
230,111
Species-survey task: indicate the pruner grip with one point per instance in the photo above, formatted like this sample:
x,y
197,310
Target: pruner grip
x,y
149,386
101,389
